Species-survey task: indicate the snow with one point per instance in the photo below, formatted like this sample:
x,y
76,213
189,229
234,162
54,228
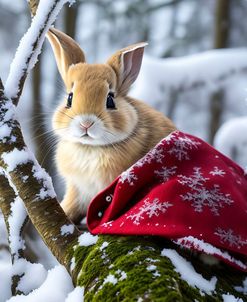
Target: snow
x,y
55,288
43,177
72,264
188,273
241,289
183,72
6,274
231,140
110,279
33,275
15,158
231,298
104,245
21,61
122,275
190,81
16,220
10,113
5,131
77,295
87,239
207,248
151,267
67,229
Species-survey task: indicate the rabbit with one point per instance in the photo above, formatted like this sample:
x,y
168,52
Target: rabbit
x,y
101,130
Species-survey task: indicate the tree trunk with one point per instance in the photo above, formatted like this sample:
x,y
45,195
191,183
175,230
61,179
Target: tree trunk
x,y
221,38
222,23
71,13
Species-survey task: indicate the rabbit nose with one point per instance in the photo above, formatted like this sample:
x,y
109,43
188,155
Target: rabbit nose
x,y
86,124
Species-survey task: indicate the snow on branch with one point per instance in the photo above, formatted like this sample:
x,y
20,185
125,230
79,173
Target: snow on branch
x,y
30,46
33,185
208,69
22,179
15,217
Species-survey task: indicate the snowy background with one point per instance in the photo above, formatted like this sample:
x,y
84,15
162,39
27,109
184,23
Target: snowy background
x,y
183,75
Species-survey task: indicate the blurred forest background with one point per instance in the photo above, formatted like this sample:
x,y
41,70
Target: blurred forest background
x,y
173,28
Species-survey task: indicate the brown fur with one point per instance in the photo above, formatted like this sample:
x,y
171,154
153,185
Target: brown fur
x,y
88,169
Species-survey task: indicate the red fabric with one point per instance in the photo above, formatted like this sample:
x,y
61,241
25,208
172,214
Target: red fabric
x,y
184,190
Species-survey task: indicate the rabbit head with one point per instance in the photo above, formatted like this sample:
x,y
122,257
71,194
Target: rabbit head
x,y
96,110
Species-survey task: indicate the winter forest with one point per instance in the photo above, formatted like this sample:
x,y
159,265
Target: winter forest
x,y
167,220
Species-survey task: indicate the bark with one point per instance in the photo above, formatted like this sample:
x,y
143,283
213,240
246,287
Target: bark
x,y
221,37
33,5
216,106
8,197
71,13
222,23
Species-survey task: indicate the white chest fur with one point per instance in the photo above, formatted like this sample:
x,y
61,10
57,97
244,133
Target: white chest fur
x,y
88,169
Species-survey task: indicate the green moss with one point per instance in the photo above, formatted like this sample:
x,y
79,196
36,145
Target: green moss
x,y
130,268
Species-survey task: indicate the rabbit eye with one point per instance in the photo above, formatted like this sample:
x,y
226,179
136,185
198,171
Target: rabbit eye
x,y
69,100
110,101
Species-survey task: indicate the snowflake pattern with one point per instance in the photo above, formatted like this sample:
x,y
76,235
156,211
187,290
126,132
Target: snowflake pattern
x,y
218,172
228,236
154,155
200,196
150,208
128,176
165,173
107,224
181,146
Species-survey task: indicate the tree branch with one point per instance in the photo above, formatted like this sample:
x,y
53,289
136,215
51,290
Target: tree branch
x,y
37,193
26,57
15,217
33,5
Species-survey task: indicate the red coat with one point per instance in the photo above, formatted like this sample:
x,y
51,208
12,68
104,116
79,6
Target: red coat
x,y
184,190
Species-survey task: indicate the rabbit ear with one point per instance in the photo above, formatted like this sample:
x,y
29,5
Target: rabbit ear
x,y
127,64
67,52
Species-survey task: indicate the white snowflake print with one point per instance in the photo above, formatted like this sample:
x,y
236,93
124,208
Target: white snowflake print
x,y
107,224
150,209
200,196
128,176
181,146
194,181
154,155
171,136
165,173
228,236
218,172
